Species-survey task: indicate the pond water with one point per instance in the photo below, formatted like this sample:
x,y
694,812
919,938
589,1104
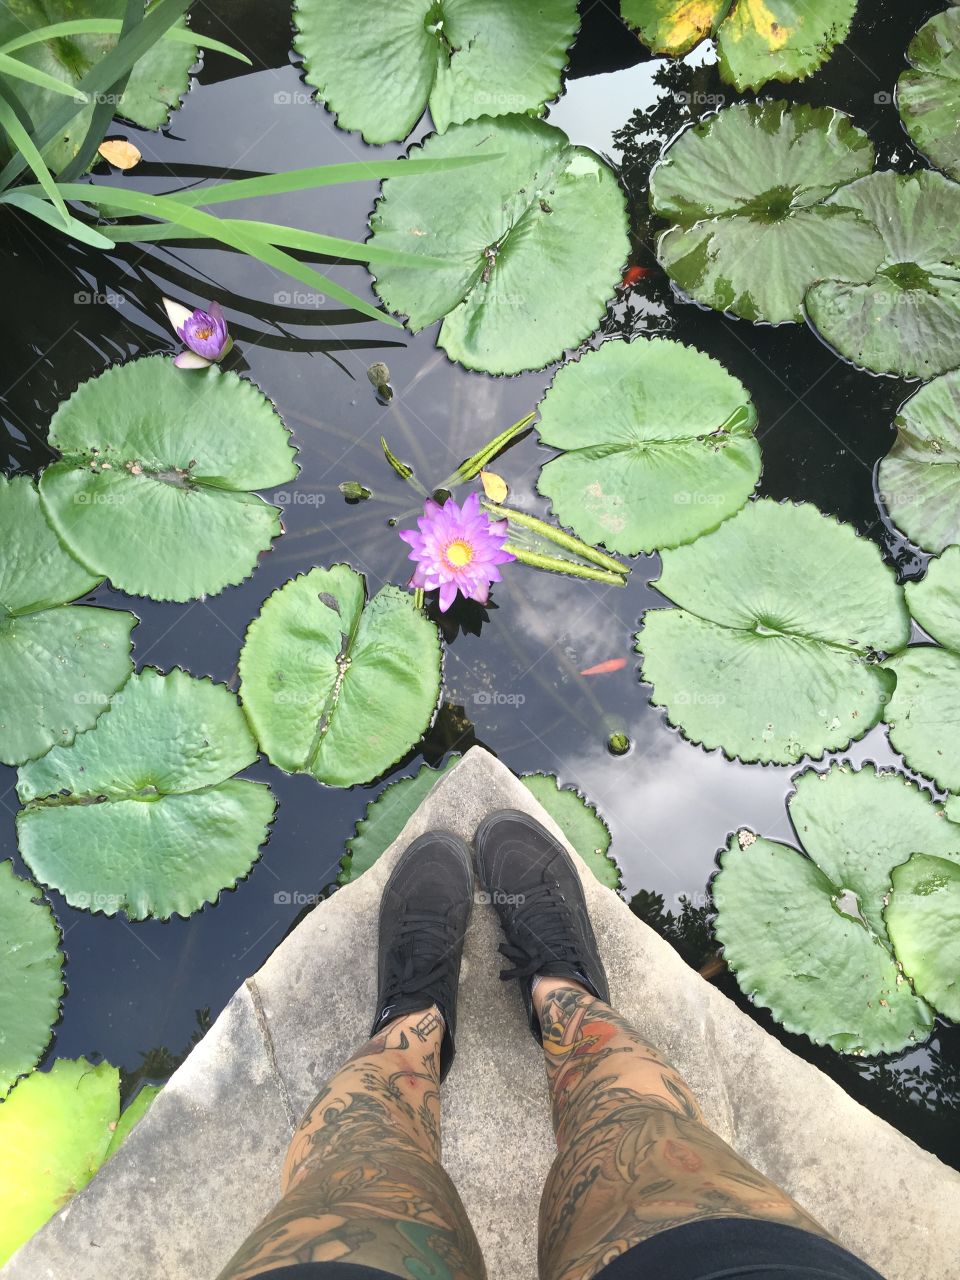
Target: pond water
x,y
140,994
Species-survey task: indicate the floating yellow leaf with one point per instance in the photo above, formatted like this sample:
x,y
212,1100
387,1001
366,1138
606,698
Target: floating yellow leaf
x,y
120,153
494,486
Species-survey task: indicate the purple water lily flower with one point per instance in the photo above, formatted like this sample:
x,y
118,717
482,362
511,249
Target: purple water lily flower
x,y
457,549
204,332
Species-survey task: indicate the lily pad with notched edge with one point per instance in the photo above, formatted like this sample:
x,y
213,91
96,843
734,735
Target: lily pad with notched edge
x,y
928,95
31,975
157,82
923,714
769,654
935,600
923,920
59,663
535,242
906,318
154,487
919,479
858,824
379,66
57,1127
388,814
142,815
746,190
659,445
821,972
757,40
335,687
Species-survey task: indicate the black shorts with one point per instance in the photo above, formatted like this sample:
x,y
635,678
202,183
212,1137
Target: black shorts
x,y
718,1249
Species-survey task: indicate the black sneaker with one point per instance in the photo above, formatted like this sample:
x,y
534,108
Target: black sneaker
x,y
423,921
535,889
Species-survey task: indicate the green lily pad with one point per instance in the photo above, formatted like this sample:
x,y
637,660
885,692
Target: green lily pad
x,y
935,600
858,824
379,66
535,241
769,655
142,814
131,1115
57,1127
906,318
59,663
155,86
580,823
659,445
154,487
923,714
757,40
334,687
923,919
31,975
919,479
928,95
389,813
746,190
821,972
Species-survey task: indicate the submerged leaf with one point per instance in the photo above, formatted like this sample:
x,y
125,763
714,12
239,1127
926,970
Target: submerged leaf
x,y
31,981
142,815
906,318
746,190
758,40
659,445
928,95
154,487
919,479
769,655
378,66
335,687
535,244
923,920
59,663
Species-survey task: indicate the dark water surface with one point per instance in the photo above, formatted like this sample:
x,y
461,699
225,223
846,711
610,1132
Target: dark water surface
x,y
512,672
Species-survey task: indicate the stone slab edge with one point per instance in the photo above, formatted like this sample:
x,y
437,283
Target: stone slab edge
x,y
200,1170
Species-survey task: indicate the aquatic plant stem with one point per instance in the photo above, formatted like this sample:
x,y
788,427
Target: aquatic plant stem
x,y
558,536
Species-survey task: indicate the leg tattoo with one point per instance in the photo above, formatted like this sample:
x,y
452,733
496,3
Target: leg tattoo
x,y
634,1155
362,1181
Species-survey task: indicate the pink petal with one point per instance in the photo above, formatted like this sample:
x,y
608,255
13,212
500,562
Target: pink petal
x,y
448,593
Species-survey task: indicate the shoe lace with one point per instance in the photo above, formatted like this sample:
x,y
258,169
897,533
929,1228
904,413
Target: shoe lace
x,y
541,930
422,943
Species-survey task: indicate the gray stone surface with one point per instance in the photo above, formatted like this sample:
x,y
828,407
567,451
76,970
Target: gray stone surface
x,y
200,1170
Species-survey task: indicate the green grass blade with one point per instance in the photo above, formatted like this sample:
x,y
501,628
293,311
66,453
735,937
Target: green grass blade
x,y
43,210
111,27
224,230
100,77
18,135
271,184
287,237
18,70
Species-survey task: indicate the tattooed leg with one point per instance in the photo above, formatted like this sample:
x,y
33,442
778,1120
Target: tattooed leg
x,y
362,1182
634,1156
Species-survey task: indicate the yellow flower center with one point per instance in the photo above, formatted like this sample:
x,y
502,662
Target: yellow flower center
x,y
203,334
458,553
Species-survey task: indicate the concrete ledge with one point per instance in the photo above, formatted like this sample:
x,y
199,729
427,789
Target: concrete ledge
x,y
199,1172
